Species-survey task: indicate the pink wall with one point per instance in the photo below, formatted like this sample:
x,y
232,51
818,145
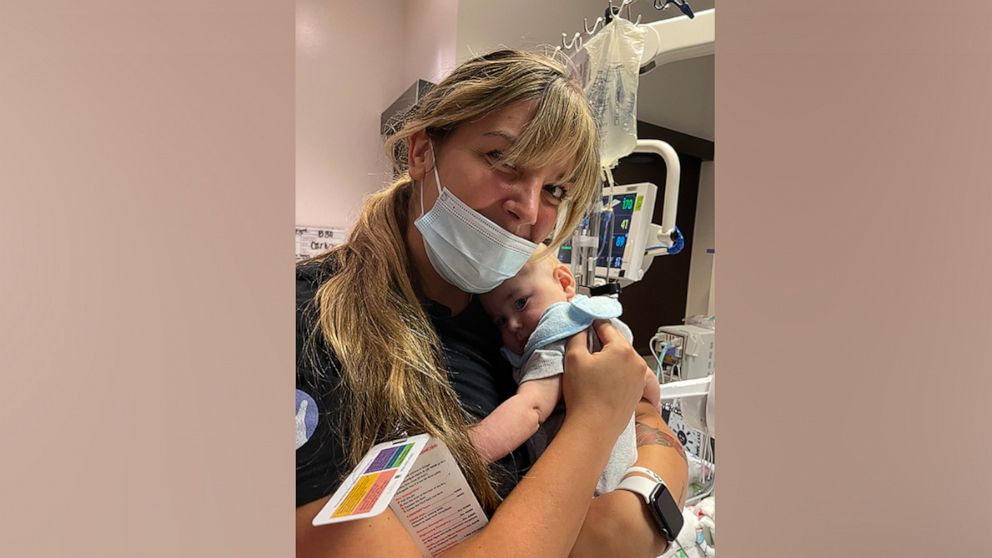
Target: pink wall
x,y
353,60
430,38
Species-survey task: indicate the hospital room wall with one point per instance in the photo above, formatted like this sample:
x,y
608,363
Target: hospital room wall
x,y
522,24
339,98
700,300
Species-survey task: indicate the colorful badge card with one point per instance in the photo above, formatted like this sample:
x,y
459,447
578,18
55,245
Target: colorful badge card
x,y
370,487
435,503
418,478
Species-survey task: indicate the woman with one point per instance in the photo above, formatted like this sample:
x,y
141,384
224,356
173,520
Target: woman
x,y
391,340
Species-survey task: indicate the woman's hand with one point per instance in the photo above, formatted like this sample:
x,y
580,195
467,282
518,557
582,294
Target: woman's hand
x,y
652,389
602,387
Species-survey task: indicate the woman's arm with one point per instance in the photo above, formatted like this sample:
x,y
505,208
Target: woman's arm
x,y
542,516
619,523
382,535
516,419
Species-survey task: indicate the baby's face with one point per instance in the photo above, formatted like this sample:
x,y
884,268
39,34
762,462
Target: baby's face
x,y
517,305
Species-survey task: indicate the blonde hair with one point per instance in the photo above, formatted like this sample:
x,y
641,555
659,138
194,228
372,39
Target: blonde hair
x,y
544,256
391,360
542,263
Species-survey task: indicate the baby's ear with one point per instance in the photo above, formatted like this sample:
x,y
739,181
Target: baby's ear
x,y
563,275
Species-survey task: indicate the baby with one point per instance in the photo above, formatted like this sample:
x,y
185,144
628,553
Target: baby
x,y
537,311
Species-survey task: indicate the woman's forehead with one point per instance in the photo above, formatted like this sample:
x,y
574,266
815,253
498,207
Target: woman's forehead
x,y
559,164
511,119
509,125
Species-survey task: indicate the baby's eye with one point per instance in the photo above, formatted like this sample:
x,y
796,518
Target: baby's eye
x,y
520,303
499,322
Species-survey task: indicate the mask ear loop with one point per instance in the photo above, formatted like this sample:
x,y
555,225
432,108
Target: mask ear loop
x,y
437,179
421,198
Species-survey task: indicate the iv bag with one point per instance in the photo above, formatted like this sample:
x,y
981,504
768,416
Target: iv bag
x,y
611,86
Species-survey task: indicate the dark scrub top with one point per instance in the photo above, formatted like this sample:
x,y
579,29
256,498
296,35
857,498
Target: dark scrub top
x,y
479,375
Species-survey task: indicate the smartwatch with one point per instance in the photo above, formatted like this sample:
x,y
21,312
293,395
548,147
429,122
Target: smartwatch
x,y
661,504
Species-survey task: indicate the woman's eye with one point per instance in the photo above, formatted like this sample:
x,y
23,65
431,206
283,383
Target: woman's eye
x,y
556,191
520,303
495,158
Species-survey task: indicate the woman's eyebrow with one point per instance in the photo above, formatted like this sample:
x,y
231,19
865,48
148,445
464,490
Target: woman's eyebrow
x,y
510,138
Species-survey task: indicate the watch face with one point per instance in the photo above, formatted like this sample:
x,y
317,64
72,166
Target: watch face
x,y
666,512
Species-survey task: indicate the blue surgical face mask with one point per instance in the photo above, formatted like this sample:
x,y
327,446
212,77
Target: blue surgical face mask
x,y
466,249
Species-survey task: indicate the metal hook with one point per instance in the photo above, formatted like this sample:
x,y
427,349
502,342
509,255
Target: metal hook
x,y
576,40
627,4
612,12
595,25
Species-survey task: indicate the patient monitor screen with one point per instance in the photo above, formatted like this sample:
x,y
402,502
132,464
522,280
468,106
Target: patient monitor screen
x,y
623,210
623,231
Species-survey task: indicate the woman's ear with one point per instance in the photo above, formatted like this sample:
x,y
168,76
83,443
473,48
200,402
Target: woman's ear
x,y
563,275
420,158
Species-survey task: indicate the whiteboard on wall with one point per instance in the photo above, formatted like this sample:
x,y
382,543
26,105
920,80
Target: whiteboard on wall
x,y
313,241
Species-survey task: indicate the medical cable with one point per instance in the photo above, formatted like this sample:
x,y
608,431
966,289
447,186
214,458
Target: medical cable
x,y
659,368
676,247
604,227
609,229
654,339
701,537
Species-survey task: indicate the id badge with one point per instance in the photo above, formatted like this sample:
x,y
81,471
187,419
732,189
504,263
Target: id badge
x,y
418,478
371,485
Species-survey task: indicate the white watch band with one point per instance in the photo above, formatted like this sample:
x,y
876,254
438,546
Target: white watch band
x,y
644,471
638,485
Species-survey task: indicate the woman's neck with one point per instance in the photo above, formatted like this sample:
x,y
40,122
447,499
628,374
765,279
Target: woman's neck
x,y
431,284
